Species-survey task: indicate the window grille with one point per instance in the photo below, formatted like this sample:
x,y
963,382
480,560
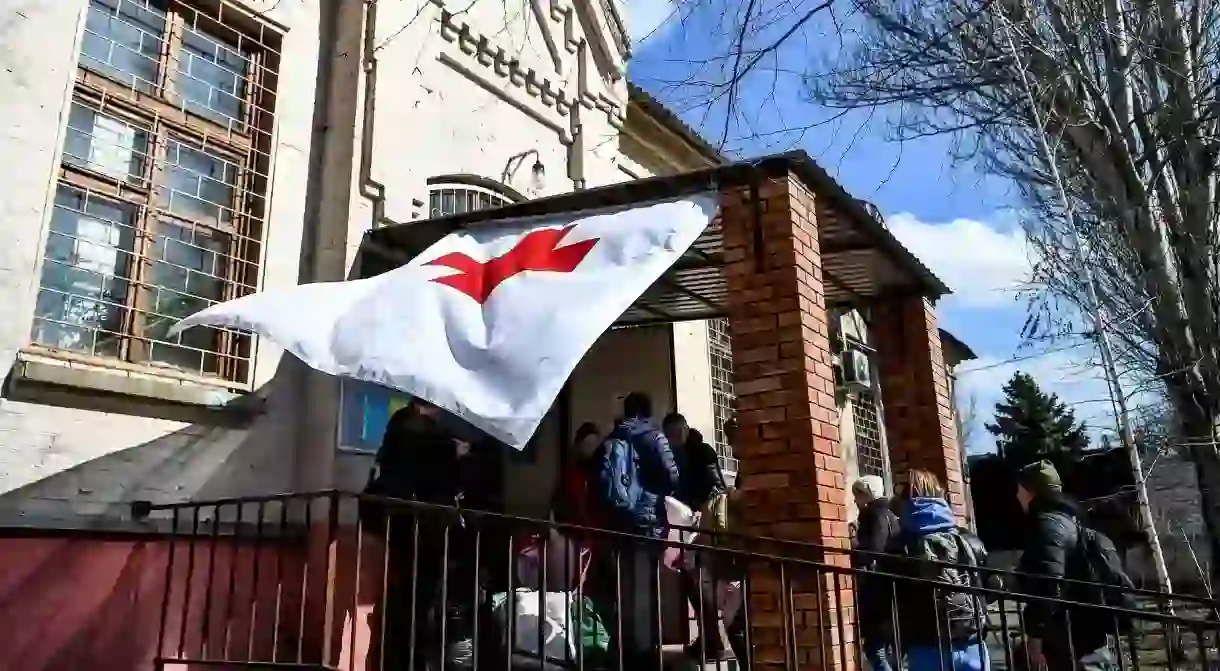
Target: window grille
x,y
870,457
160,202
447,199
720,351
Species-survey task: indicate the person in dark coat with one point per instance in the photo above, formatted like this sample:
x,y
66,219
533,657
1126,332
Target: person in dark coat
x,y
637,475
699,474
636,472
699,479
876,527
1056,524
422,459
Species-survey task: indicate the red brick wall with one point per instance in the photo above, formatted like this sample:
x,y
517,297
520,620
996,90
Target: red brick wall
x,y
919,421
788,440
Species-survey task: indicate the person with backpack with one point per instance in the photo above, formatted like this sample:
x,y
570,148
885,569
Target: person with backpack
x,y
1060,545
939,628
876,525
636,472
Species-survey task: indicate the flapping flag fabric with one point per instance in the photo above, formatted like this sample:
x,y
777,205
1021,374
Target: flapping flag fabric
x,y
487,323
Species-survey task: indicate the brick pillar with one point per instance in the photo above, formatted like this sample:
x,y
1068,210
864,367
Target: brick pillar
x,y
788,437
919,423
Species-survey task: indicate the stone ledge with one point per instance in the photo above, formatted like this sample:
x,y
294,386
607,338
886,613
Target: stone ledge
x,y
50,381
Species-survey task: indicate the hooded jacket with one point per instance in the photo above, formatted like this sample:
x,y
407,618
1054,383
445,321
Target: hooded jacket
x,y
929,617
634,501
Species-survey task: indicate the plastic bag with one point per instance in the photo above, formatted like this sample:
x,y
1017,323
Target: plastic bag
x,y
547,621
729,599
677,514
593,636
566,568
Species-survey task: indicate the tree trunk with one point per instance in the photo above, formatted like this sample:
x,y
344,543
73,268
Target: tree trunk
x,y
1195,426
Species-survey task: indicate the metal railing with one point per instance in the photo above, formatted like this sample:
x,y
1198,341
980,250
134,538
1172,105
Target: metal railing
x,y
334,580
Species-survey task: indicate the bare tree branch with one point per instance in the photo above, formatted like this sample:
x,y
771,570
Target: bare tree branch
x,y
1126,92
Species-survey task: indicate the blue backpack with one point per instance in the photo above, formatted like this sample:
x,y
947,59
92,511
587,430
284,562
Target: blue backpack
x,y
621,466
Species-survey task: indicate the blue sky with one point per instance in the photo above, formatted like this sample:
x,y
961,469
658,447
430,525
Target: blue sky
x,y
961,224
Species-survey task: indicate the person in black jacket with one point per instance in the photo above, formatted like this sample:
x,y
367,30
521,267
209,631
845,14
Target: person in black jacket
x,y
699,479
422,459
699,475
1052,553
876,526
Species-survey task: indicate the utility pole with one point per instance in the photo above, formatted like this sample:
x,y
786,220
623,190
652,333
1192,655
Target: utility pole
x,y
1099,328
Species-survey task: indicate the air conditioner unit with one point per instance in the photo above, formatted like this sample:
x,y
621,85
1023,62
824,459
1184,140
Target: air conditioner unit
x,y
857,373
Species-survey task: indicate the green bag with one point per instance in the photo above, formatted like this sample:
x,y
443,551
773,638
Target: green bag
x,y
593,637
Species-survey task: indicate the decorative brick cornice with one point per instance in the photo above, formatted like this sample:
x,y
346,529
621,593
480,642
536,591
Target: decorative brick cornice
x,y
497,59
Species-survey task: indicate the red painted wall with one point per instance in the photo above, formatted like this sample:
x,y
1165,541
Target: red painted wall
x,y
77,602
83,602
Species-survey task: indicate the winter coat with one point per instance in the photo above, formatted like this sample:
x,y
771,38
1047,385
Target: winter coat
x,y
635,501
699,475
575,501
876,526
418,460
919,624
1051,551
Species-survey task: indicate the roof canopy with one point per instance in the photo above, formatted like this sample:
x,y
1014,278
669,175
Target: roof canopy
x,y
861,259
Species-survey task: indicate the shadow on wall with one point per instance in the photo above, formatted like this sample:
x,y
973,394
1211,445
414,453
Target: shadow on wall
x,y
199,461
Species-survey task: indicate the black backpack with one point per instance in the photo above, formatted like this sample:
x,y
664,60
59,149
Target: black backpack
x,y
1096,560
965,612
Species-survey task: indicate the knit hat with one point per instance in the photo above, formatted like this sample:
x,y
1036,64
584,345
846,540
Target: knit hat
x,y
871,485
1040,477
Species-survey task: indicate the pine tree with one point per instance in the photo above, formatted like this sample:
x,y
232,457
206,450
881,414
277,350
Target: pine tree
x,y
1031,424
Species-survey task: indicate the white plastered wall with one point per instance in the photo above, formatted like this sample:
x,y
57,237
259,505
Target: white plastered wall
x,y
58,464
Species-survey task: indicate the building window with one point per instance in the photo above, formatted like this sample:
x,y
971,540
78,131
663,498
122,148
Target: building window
x,y
365,410
160,204
870,455
720,349
456,194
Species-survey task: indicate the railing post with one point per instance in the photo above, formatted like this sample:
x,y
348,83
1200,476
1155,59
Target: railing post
x,y
332,631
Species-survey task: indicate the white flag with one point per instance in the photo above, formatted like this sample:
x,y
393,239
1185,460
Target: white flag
x,y
487,323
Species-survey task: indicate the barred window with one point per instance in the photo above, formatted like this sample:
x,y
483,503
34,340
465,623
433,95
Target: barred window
x,y
720,349
456,194
160,205
870,457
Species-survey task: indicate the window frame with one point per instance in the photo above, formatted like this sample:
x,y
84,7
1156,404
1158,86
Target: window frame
x,y
164,115
471,184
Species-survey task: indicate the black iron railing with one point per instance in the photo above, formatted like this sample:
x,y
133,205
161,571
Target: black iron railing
x,y
334,580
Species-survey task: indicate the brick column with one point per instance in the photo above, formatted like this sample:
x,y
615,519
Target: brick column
x,y
788,437
919,421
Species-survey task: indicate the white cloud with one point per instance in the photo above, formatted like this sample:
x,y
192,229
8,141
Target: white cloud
x,y
648,19
982,265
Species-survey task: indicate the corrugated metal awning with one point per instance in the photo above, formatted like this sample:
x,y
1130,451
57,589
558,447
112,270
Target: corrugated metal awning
x,y
860,258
